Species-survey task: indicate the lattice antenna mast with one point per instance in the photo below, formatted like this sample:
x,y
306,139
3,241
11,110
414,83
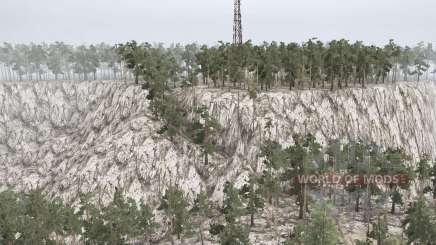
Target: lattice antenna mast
x,y
237,23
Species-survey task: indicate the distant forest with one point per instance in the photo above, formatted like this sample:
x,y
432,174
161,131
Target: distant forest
x,y
312,64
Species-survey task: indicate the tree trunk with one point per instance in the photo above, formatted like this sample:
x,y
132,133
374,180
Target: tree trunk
x,y
201,233
332,85
206,159
222,76
136,77
357,209
363,79
301,203
434,189
252,219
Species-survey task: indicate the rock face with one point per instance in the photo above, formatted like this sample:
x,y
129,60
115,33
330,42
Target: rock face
x,y
68,137
401,115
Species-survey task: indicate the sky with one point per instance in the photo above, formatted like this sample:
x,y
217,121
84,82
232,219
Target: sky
x,y
209,21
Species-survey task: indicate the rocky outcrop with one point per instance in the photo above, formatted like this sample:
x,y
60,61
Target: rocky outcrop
x,y
71,137
397,115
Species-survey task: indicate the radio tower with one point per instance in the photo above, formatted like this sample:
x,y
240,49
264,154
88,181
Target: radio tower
x,y
237,24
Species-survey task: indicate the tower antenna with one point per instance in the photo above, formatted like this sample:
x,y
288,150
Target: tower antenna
x,y
237,23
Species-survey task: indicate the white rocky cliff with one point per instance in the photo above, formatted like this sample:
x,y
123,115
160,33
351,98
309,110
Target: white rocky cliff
x,y
94,136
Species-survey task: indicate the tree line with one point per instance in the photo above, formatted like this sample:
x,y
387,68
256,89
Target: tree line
x,y
314,64
61,61
311,64
58,61
33,217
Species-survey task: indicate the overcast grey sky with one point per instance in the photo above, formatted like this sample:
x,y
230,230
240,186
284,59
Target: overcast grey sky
x,y
208,21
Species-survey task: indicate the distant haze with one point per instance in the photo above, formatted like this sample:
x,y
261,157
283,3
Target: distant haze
x,y
208,21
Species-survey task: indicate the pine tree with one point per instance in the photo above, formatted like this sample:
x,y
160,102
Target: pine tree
x,y
419,225
234,234
379,230
396,198
203,209
233,208
11,217
252,194
208,127
274,160
433,178
423,172
133,54
145,221
394,162
175,204
302,158
94,228
121,218
320,230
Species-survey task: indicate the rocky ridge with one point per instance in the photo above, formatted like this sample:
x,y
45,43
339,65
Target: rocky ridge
x,y
68,137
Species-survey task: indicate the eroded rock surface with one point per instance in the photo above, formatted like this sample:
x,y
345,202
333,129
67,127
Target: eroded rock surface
x,y
397,115
94,136
68,137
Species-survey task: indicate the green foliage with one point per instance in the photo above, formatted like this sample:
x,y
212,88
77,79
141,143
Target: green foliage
x,y
360,242
420,64
233,207
304,157
379,230
419,225
396,198
175,204
252,195
203,209
423,170
122,219
275,156
201,129
133,55
234,234
320,230
216,229
145,220
85,61
311,64
202,205
433,178
31,218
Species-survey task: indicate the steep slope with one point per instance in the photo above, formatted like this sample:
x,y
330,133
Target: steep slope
x,y
95,136
400,115
90,137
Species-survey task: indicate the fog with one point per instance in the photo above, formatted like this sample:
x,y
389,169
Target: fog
x,y
208,21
